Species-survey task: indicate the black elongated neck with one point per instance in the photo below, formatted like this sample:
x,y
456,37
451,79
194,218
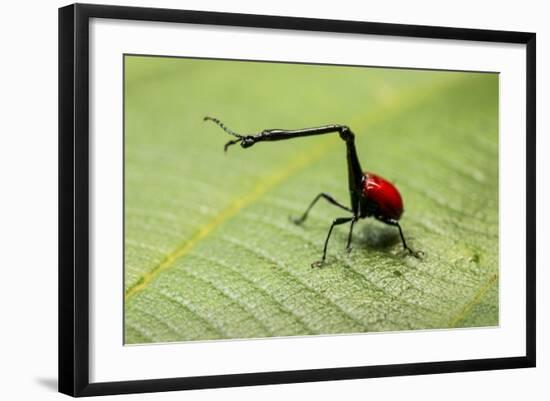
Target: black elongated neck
x,y
355,172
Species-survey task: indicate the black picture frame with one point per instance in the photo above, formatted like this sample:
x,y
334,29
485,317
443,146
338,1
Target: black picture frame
x,y
74,193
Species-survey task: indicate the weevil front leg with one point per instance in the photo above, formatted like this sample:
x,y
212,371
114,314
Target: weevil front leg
x,y
325,196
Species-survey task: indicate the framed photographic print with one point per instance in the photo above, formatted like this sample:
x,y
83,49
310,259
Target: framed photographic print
x,y
250,199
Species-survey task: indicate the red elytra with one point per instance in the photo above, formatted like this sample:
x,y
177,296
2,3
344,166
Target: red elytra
x,y
384,194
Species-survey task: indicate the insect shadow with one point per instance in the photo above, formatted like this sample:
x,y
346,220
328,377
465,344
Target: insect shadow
x,y
376,237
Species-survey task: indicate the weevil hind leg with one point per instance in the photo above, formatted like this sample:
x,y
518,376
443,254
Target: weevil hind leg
x,y
395,223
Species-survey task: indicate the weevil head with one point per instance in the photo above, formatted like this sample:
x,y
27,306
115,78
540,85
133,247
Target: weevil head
x,y
247,141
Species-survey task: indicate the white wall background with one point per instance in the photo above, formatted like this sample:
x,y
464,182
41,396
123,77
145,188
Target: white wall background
x,y
28,200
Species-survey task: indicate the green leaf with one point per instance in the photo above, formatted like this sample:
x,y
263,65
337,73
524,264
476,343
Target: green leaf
x,y
209,250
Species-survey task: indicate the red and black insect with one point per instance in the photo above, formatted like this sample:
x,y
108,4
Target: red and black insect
x,y
370,194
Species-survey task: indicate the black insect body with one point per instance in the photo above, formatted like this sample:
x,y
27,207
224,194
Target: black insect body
x,y
370,194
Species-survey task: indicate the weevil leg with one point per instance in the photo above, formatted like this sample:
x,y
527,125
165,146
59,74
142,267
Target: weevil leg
x,y
325,196
335,222
348,246
356,217
395,223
